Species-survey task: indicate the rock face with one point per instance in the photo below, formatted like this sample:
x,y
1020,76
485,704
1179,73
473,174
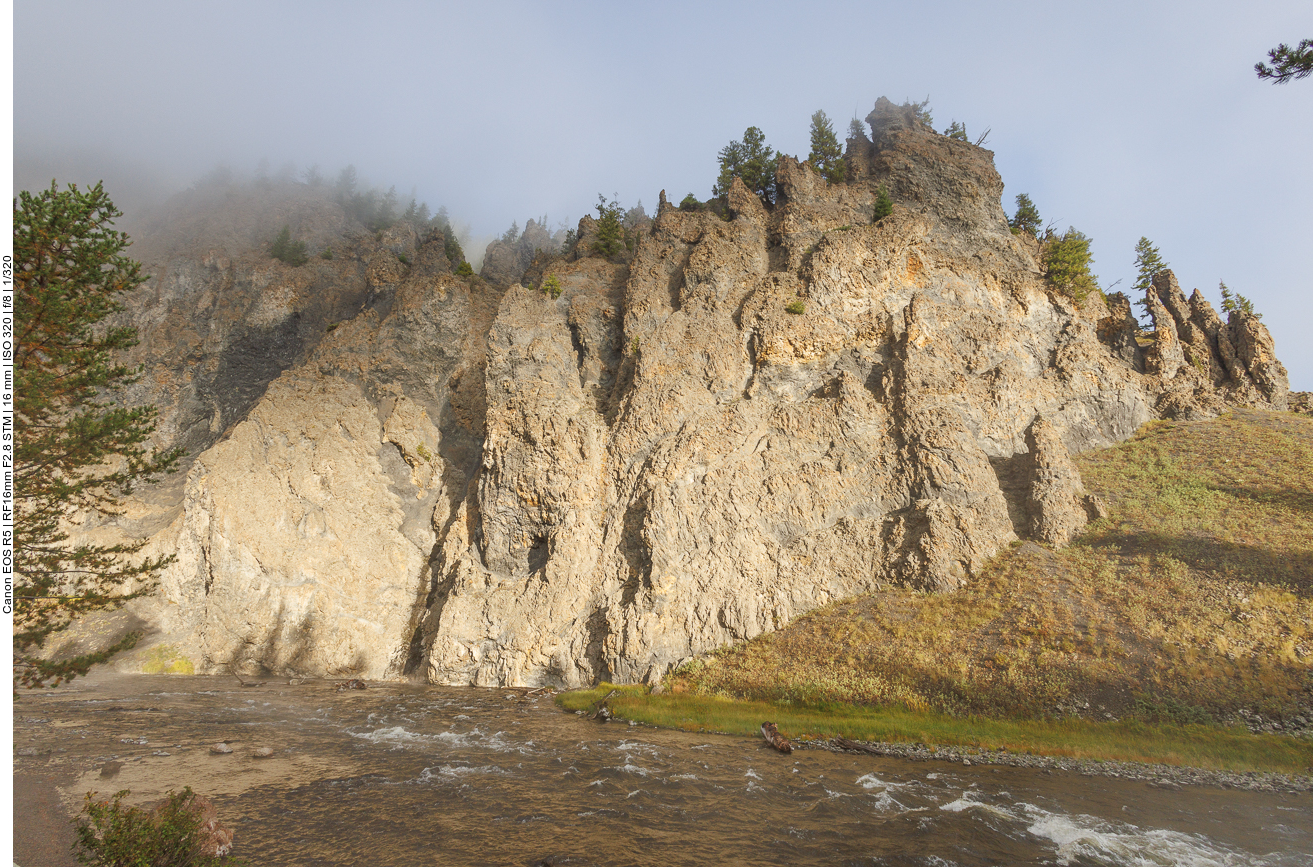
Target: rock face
x,y
1056,505
504,262
475,482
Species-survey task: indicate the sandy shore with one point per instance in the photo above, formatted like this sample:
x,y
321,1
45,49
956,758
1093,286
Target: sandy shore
x,y
43,829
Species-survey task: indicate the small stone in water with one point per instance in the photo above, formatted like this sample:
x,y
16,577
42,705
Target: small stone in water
x,y
264,753
220,749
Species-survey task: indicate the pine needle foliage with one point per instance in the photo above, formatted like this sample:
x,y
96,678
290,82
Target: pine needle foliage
x,y
922,110
883,205
1288,64
752,161
1234,302
284,249
826,154
1148,264
610,229
1067,261
76,446
1027,218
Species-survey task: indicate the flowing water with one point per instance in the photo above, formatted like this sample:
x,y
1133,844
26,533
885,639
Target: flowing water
x,y
416,775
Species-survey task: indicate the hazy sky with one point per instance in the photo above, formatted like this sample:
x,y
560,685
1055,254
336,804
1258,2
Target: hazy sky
x,y
1121,119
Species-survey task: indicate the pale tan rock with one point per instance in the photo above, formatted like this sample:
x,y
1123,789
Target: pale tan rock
x,y
1164,357
482,484
1256,351
1056,501
292,550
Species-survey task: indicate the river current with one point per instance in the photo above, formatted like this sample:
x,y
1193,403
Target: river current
x,y
402,774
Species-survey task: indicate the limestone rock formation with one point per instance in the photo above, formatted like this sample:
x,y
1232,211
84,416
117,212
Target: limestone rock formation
x,y
478,481
504,262
1056,503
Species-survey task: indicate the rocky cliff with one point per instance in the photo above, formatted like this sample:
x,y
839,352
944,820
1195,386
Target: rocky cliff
x,y
396,471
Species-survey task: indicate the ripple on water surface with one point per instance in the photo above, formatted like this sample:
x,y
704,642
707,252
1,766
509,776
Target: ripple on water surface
x,y
405,775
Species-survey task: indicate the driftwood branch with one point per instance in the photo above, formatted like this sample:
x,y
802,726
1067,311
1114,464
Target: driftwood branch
x,y
774,738
602,712
232,667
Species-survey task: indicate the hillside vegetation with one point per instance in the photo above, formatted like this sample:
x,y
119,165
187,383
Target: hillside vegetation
x,y
1190,602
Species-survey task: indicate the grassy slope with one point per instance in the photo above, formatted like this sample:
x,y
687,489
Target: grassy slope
x,y
1190,601
1201,746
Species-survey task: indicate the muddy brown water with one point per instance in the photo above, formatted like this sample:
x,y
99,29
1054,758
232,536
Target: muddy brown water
x,y
419,775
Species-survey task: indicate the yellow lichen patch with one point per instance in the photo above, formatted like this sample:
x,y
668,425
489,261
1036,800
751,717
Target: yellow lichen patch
x,y
166,659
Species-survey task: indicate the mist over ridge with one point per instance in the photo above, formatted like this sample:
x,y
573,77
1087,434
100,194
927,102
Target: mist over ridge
x,y
502,115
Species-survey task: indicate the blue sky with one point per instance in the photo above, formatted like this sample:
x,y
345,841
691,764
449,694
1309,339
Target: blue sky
x,y
1121,119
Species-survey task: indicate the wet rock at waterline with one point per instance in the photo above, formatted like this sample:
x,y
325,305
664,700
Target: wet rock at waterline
x,y
399,472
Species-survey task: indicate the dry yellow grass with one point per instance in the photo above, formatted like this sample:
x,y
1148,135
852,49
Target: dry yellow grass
x,y
1191,600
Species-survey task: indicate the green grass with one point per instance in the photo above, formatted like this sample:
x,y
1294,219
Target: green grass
x,y
1191,600
1202,746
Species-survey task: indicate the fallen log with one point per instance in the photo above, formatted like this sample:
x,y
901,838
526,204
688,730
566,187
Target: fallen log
x,y
774,738
601,702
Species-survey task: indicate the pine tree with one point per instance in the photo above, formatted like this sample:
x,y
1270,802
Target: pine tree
x,y
610,231
922,111
278,249
1067,262
1148,263
1235,302
1027,218
883,206
957,130
284,249
826,155
750,160
76,447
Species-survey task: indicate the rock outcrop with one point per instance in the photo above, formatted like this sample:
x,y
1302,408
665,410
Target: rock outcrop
x,y
1056,504
505,261
477,481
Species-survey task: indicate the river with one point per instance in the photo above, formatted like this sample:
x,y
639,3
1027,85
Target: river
x,y
401,774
